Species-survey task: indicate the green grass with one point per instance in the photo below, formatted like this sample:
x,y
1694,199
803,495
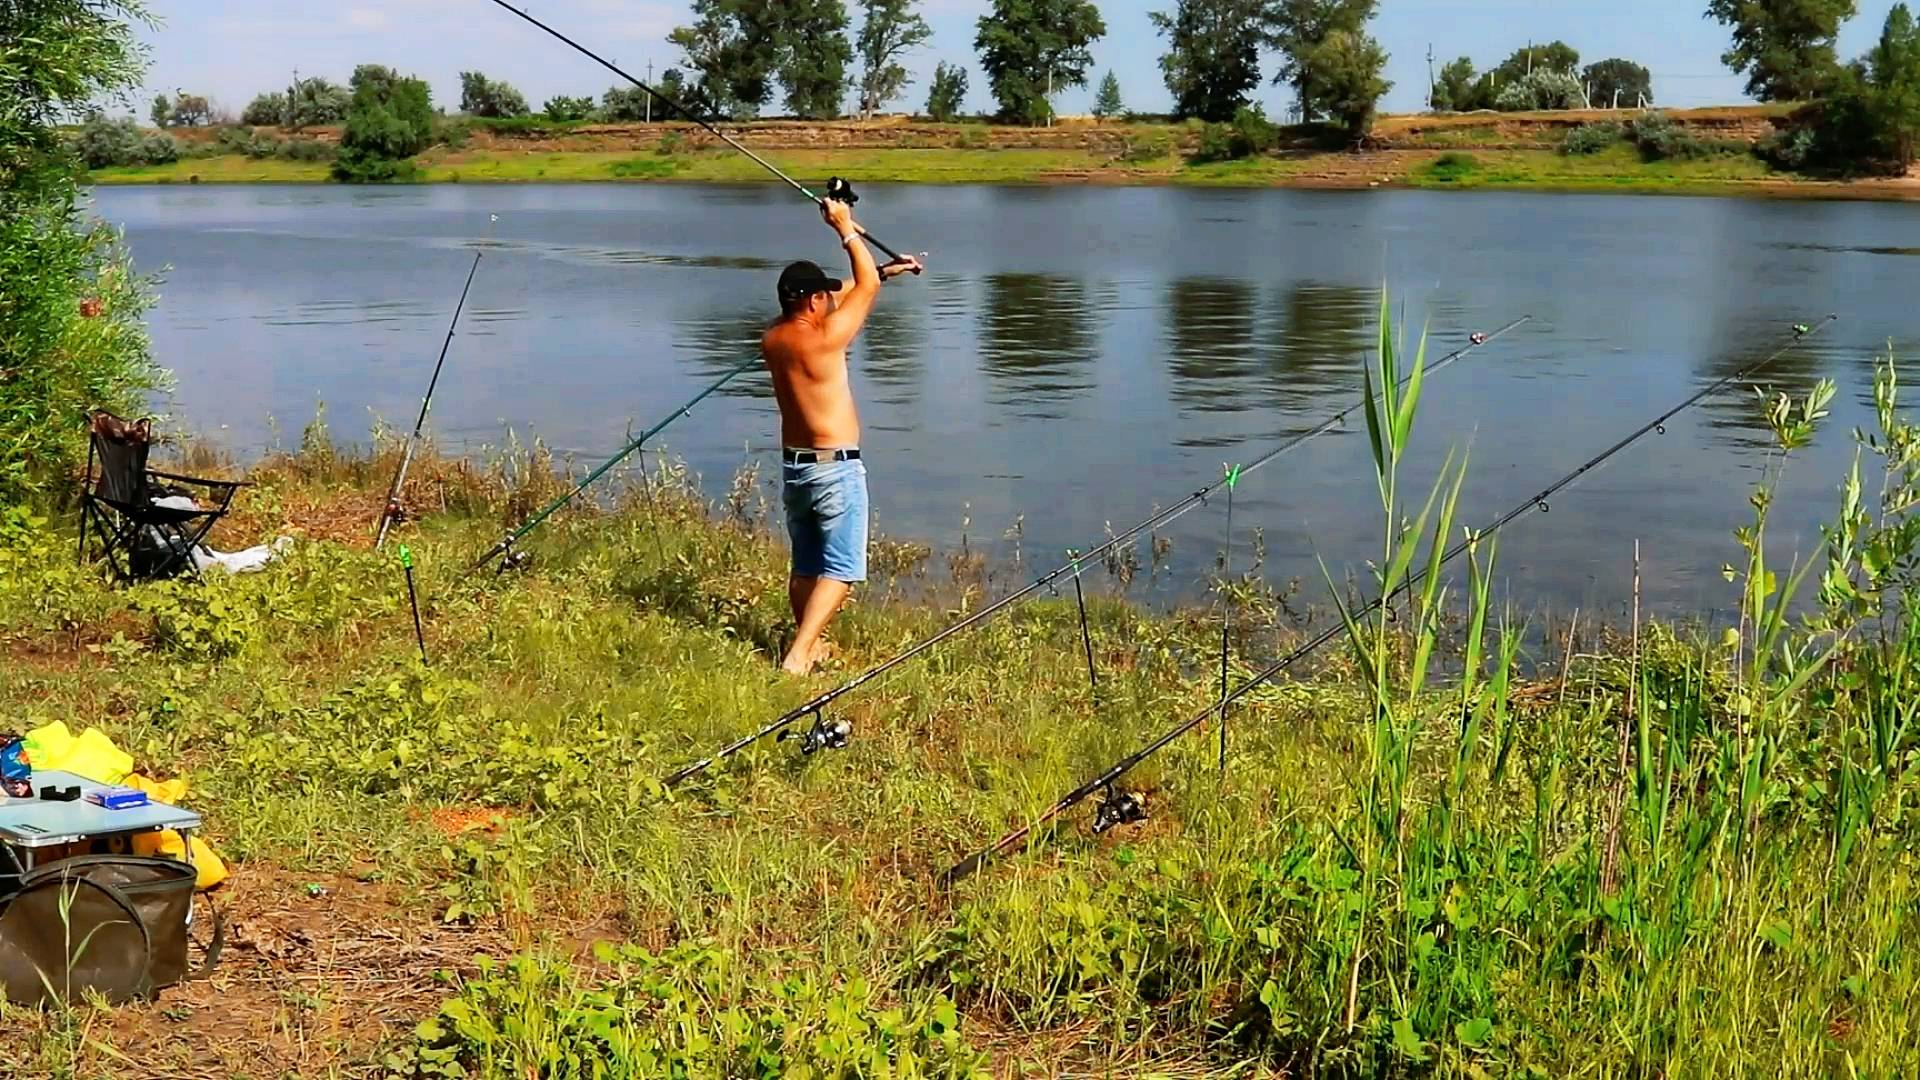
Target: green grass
x,y
1615,169
1396,874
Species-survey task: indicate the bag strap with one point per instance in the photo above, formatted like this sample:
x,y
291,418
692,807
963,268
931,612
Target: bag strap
x,y
214,947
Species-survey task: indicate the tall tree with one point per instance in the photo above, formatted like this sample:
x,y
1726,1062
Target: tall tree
x,y
948,92
1298,28
1892,69
71,334
390,120
888,29
1618,81
1106,103
481,96
734,47
317,101
811,36
190,110
1784,47
161,111
1458,87
1555,56
1212,62
1346,80
1029,47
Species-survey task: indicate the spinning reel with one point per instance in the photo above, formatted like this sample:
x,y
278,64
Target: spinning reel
x,y
841,192
825,734
514,560
1118,808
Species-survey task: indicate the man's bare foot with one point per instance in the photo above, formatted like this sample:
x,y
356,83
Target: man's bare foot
x,y
823,652
793,665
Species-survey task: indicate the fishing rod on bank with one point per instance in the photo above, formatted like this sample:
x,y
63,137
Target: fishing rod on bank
x,y
390,510
1127,808
506,544
833,734
837,189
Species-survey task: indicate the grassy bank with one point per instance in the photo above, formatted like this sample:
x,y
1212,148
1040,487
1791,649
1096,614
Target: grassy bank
x,y
1655,857
1506,151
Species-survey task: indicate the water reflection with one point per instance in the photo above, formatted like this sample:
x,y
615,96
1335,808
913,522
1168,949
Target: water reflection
x,y
1211,348
1737,412
1037,343
1324,333
723,340
891,354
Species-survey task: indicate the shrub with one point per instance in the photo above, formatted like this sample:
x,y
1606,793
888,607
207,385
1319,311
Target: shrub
x,y
563,109
671,143
390,121
103,143
267,110
1592,138
1249,135
159,148
1544,89
1794,148
1660,139
1453,167
1144,149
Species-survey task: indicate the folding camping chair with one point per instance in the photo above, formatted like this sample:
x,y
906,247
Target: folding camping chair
x,y
148,522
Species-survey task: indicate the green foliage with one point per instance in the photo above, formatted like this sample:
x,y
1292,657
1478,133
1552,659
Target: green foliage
x,y
1028,47
1660,139
734,47
1453,167
265,110
1299,29
563,109
644,168
694,1010
1212,62
1556,56
1871,120
1107,104
161,111
1250,135
1592,138
814,54
948,92
317,102
1784,47
1618,82
624,105
490,99
190,110
103,143
1345,80
71,336
1458,88
888,30
390,121
1545,89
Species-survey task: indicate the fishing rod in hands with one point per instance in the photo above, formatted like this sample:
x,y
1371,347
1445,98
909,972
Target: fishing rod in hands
x,y
837,189
390,510
1126,808
505,546
817,739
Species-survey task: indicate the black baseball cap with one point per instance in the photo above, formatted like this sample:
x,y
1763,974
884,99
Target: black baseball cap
x,y
803,279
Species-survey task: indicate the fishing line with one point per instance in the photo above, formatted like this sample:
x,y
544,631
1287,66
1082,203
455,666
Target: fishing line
x,y
1073,567
505,546
836,189
1118,808
390,510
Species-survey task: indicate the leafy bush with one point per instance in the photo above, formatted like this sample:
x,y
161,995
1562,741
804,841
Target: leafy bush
x,y
1592,138
266,110
1793,148
103,143
1453,167
563,109
1660,139
390,121
1145,149
1249,135
1545,89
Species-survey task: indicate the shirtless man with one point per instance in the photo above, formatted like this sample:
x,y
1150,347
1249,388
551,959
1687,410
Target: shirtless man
x,y
824,482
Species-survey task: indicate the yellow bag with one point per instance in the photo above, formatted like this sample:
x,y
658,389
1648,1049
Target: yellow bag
x,y
211,871
92,755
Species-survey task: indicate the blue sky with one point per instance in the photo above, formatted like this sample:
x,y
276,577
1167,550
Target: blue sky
x,y
231,49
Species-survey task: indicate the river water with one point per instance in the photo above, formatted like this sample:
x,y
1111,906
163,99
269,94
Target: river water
x,y
1077,356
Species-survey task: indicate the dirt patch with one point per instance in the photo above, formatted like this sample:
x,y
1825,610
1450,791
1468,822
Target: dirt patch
x,y
313,980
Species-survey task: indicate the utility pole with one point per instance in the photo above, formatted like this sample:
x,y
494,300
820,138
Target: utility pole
x,y
1616,98
1429,76
649,97
1049,94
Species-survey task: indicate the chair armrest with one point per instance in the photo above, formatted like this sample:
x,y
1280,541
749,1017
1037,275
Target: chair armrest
x,y
199,481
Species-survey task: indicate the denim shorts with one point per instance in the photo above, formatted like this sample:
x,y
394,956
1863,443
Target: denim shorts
x,y
826,507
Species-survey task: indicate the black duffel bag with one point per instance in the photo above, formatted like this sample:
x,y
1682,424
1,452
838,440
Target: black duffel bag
x,y
111,924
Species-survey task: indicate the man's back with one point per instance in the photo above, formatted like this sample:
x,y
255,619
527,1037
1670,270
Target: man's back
x,y
810,381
